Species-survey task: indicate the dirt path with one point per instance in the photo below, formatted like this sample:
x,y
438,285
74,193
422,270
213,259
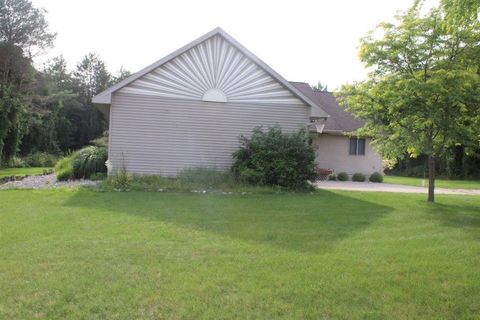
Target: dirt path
x,y
387,187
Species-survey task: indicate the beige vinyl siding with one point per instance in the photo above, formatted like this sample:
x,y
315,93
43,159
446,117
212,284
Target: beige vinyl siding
x,y
332,151
156,135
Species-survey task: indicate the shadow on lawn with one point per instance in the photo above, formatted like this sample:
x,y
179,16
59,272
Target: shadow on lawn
x,y
465,216
300,222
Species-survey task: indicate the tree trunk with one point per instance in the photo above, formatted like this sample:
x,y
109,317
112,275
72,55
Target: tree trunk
x,y
431,178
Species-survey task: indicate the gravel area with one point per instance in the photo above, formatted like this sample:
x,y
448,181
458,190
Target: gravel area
x,y
46,181
387,187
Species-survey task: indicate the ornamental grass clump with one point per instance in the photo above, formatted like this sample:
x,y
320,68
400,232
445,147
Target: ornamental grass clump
x,y
88,161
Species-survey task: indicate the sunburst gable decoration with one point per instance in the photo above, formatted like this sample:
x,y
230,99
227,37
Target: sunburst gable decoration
x,y
215,71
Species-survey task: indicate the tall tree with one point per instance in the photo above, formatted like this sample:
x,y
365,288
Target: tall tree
x,y
319,87
461,10
91,77
24,26
23,30
10,113
121,75
423,92
58,72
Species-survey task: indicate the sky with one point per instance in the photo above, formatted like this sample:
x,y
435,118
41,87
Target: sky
x,y
303,40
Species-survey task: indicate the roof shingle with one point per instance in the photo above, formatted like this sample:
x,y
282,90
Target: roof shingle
x,y
340,120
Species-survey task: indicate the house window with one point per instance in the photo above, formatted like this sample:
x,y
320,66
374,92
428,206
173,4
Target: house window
x,y
357,146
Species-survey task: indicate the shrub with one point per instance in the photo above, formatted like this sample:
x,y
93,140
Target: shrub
x,y
88,161
332,177
98,176
274,158
101,141
16,162
358,177
120,180
40,159
64,168
376,177
342,176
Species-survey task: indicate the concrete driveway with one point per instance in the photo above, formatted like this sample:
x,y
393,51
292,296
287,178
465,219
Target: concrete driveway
x,y
387,187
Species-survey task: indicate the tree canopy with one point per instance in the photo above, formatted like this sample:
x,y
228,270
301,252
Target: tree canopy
x,y
24,26
47,110
319,87
422,94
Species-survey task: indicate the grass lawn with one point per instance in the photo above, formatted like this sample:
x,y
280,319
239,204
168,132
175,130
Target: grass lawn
x,y
440,183
6,172
76,254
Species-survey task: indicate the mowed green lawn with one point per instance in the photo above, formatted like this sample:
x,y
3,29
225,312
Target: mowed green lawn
x,y
6,172
79,254
440,183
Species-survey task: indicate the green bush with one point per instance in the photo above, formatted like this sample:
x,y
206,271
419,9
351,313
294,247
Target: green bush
x,y
332,177
40,159
358,177
97,176
64,168
88,161
101,141
376,177
120,180
342,176
276,159
16,162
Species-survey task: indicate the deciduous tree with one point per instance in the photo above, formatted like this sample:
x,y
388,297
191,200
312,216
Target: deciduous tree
x,y
423,92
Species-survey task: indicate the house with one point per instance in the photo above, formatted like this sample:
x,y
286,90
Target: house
x,y
190,108
334,147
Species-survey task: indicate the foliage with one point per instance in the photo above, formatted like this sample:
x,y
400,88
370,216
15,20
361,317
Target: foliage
x,y
319,87
273,158
461,11
120,180
88,161
423,93
85,163
376,177
47,110
64,168
196,180
16,162
16,71
332,177
92,76
342,176
10,113
358,177
40,159
101,141
24,26
97,176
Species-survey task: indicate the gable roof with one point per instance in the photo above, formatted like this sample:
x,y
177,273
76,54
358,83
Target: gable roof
x,y
340,120
105,96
